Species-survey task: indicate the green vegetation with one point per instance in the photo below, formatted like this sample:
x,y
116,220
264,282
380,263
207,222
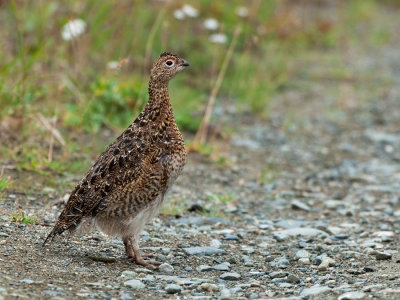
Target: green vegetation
x,y
20,217
62,99
4,183
216,203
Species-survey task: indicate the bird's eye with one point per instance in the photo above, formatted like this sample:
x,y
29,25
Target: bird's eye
x,y
169,62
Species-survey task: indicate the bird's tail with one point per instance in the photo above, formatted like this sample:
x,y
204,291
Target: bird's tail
x,y
56,231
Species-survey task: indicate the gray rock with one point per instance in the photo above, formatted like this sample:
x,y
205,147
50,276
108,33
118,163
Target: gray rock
x,y
129,273
208,287
27,280
248,262
134,284
204,221
283,263
296,204
3,234
230,276
382,255
333,204
304,261
293,279
302,231
173,289
314,290
166,268
225,295
302,254
204,268
352,296
203,251
288,224
225,266
231,237
278,274
215,243
144,270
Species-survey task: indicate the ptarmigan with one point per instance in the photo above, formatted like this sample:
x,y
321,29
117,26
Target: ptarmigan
x,y
126,186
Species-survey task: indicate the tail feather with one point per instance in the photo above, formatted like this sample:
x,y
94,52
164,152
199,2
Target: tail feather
x,y
58,229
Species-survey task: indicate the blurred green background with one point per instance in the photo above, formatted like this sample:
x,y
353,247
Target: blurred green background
x,y
67,88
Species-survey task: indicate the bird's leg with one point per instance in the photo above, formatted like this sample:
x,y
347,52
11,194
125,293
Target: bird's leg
x,y
138,257
128,248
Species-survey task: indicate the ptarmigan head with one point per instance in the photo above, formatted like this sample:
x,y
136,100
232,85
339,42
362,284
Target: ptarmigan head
x,y
167,66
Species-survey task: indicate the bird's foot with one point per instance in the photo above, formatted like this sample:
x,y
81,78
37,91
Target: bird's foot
x,y
145,263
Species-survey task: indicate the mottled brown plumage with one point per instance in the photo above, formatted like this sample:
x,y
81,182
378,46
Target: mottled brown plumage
x,y
127,184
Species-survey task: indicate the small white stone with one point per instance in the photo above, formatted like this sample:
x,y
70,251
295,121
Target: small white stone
x,y
166,268
304,261
134,284
215,243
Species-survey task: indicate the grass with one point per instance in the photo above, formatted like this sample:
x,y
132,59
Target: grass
x,y
71,85
19,217
4,183
216,203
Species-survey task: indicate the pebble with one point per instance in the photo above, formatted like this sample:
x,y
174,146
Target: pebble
x,y
215,243
134,284
230,276
302,254
293,278
304,261
204,268
326,263
302,231
166,268
231,238
352,296
382,255
225,295
333,204
225,266
296,204
314,291
283,263
129,273
208,287
204,251
173,289
278,274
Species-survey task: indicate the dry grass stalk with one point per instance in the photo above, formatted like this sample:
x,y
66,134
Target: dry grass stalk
x,y
201,135
51,129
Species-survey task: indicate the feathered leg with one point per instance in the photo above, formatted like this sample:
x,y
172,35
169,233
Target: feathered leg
x,y
133,253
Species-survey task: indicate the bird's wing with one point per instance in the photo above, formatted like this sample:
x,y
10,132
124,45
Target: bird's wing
x,y
124,162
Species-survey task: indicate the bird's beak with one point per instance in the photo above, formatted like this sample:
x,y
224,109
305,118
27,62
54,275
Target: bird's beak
x,y
185,63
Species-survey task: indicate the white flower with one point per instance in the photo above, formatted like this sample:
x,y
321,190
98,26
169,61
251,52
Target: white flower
x,y
190,11
218,38
73,29
211,24
178,14
242,11
113,65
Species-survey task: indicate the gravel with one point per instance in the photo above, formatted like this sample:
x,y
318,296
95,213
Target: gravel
x,y
314,214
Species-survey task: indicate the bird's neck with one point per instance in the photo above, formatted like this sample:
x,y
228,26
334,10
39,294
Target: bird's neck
x,y
159,100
